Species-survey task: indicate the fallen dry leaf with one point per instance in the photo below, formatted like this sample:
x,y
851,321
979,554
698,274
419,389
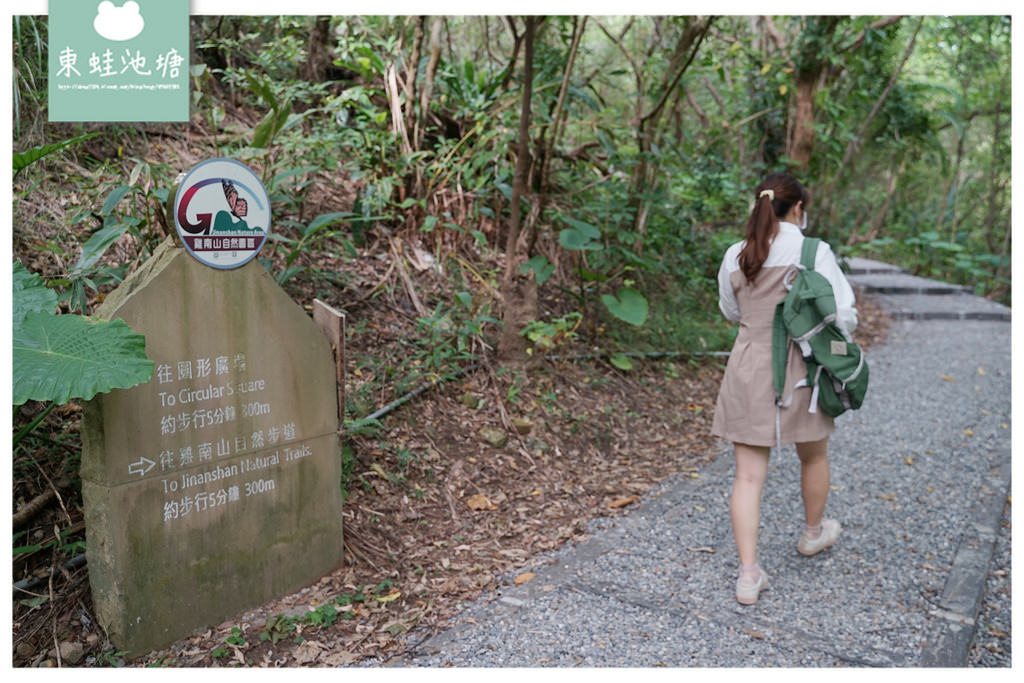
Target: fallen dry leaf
x,y
307,652
948,378
480,502
523,578
702,549
754,634
623,502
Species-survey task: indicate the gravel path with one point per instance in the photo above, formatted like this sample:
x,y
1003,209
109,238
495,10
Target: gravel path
x,y
920,477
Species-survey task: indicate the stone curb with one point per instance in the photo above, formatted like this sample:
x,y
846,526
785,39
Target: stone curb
x,y
951,315
948,642
910,289
862,266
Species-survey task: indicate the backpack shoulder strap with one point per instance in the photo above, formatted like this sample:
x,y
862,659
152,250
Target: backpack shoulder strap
x,y
809,252
780,350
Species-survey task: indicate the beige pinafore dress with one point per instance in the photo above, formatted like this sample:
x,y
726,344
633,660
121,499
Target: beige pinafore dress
x,y
745,411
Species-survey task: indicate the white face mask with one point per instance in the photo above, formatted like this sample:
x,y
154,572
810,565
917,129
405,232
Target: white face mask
x,y
803,221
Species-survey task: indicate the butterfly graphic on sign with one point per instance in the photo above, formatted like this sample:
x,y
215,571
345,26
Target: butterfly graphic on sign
x,y
220,210
239,209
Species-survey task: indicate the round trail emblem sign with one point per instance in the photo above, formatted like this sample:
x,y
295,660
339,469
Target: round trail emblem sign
x,y
222,213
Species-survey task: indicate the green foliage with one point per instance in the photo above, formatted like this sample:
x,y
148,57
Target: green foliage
x,y
549,334
278,627
621,361
314,235
629,305
66,543
29,94
452,334
113,658
541,268
281,626
236,638
24,159
929,255
580,236
60,357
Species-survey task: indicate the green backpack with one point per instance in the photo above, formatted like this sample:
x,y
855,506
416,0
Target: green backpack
x,y
836,368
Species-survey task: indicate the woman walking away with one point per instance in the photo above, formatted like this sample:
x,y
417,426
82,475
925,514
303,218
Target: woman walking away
x,y
750,286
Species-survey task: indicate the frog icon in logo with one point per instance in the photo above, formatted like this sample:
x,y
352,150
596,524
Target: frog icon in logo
x,y
220,212
118,23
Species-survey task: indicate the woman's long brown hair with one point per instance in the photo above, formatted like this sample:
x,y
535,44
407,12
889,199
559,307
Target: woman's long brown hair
x,y
763,224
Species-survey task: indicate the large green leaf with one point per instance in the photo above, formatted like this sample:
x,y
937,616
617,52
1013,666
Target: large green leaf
x,y
30,294
541,268
630,306
60,357
24,159
326,219
112,200
581,236
100,241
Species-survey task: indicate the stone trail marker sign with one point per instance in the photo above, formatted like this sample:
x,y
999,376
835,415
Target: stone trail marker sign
x,y
215,486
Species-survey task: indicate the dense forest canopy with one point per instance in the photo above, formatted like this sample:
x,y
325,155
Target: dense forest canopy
x,y
613,154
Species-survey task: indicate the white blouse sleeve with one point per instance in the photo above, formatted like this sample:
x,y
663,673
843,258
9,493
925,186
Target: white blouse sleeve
x,y
726,296
825,263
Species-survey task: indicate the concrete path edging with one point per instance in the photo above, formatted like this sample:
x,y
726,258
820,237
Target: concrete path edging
x,y
949,641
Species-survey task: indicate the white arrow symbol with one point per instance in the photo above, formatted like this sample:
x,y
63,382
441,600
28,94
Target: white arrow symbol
x,y
141,467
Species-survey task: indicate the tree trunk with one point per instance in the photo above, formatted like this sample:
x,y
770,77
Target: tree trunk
x,y
803,123
411,72
318,51
647,127
879,218
994,189
519,290
953,180
810,62
425,92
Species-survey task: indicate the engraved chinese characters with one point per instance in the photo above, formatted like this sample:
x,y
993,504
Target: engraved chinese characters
x,y
215,486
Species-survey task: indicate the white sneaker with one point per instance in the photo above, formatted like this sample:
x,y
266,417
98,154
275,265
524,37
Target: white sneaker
x,y
830,530
748,588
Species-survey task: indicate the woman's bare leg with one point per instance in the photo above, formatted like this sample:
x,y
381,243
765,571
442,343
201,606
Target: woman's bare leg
x,y
814,479
745,506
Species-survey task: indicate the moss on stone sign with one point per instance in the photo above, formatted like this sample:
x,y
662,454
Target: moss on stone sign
x,y
214,487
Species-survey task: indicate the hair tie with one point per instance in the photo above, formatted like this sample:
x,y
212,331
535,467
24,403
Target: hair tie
x,y
769,192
